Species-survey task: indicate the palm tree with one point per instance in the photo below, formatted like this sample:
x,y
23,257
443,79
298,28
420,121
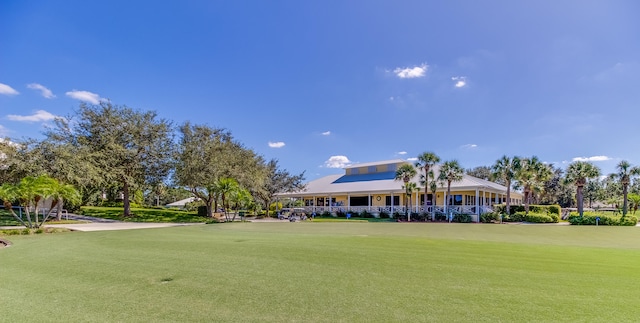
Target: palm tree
x,y
578,173
409,188
634,200
505,169
426,162
29,191
224,187
450,171
625,173
405,173
532,175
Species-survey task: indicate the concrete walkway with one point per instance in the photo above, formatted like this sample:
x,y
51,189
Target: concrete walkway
x,y
99,224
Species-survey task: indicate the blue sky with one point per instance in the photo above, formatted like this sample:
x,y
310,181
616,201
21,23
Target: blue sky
x,y
321,84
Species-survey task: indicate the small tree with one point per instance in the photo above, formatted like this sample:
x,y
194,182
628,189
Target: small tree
x,y
405,173
578,173
505,170
30,191
450,171
624,175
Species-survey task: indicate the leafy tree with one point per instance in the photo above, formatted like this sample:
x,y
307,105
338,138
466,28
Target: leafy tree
x,y
624,175
450,171
405,173
278,181
409,188
124,147
634,202
205,155
426,162
531,175
578,173
482,172
594,191
30,191
505,169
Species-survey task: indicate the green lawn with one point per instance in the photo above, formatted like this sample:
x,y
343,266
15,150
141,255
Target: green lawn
x,y
325,272
143,214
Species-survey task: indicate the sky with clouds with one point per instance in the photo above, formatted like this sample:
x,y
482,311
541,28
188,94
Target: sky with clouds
x,y
320,85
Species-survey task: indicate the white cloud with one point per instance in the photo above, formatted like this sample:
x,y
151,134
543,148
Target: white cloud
x,y
461,81
412,159
326,133
7,90
277,144
591,159
411,72
469,146
402,153
43,90
85,96
38,116
337,162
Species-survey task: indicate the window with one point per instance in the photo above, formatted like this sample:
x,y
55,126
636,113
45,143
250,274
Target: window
x,y
455,200
359,201
325,202
355,171
392,167
308,202
396,200
429,199
371,169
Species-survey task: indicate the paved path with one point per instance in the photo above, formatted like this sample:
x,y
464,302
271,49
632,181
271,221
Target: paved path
x,y
99,224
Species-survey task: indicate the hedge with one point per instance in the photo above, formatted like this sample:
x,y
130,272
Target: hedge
x,y
533,208
589,218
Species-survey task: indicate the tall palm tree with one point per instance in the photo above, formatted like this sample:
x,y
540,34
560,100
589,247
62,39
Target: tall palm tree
x,y
405,173
426,162
532,175
625,174
450,171
505,169
578,173
409,188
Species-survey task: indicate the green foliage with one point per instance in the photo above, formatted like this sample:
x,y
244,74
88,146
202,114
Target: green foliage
x,y
462,218
589,218
489,217
202,210
384,215
535,217
543,209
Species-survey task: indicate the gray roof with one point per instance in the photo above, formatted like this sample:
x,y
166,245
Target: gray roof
x,y
337,185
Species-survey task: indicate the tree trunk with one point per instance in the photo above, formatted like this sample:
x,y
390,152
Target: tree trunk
x,y
125,199
527,194
508,197
579,198
625,189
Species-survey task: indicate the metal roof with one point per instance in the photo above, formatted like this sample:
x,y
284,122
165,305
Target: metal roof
x,y
384,183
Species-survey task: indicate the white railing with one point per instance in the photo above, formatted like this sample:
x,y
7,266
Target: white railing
x,y
458,209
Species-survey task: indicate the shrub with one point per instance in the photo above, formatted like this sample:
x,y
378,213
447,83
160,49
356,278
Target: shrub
x,y
462,218
537,218
489,217
533,208
384,215
366,214
341,214
326,214
589,218
202,210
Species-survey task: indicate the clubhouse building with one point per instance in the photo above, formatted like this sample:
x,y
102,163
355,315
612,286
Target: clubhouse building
x,y
372,187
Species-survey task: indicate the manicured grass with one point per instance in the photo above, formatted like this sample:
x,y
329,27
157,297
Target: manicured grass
x,y
143,214
325,272
6,219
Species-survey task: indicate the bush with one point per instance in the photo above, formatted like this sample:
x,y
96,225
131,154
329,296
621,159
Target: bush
x,y
384,215
462,218
589,218
536,217
533,208
489,217
326,214
366,214
202,210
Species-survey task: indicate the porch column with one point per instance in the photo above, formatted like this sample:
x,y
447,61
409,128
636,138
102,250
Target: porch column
x,y
369,204
392,203
415,205
477,204
315,201
330,206
349,201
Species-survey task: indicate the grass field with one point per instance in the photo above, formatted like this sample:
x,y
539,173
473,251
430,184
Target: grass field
x,y
325,272
143,214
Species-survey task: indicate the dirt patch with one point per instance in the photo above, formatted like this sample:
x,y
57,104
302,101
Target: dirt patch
x,y
4,243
